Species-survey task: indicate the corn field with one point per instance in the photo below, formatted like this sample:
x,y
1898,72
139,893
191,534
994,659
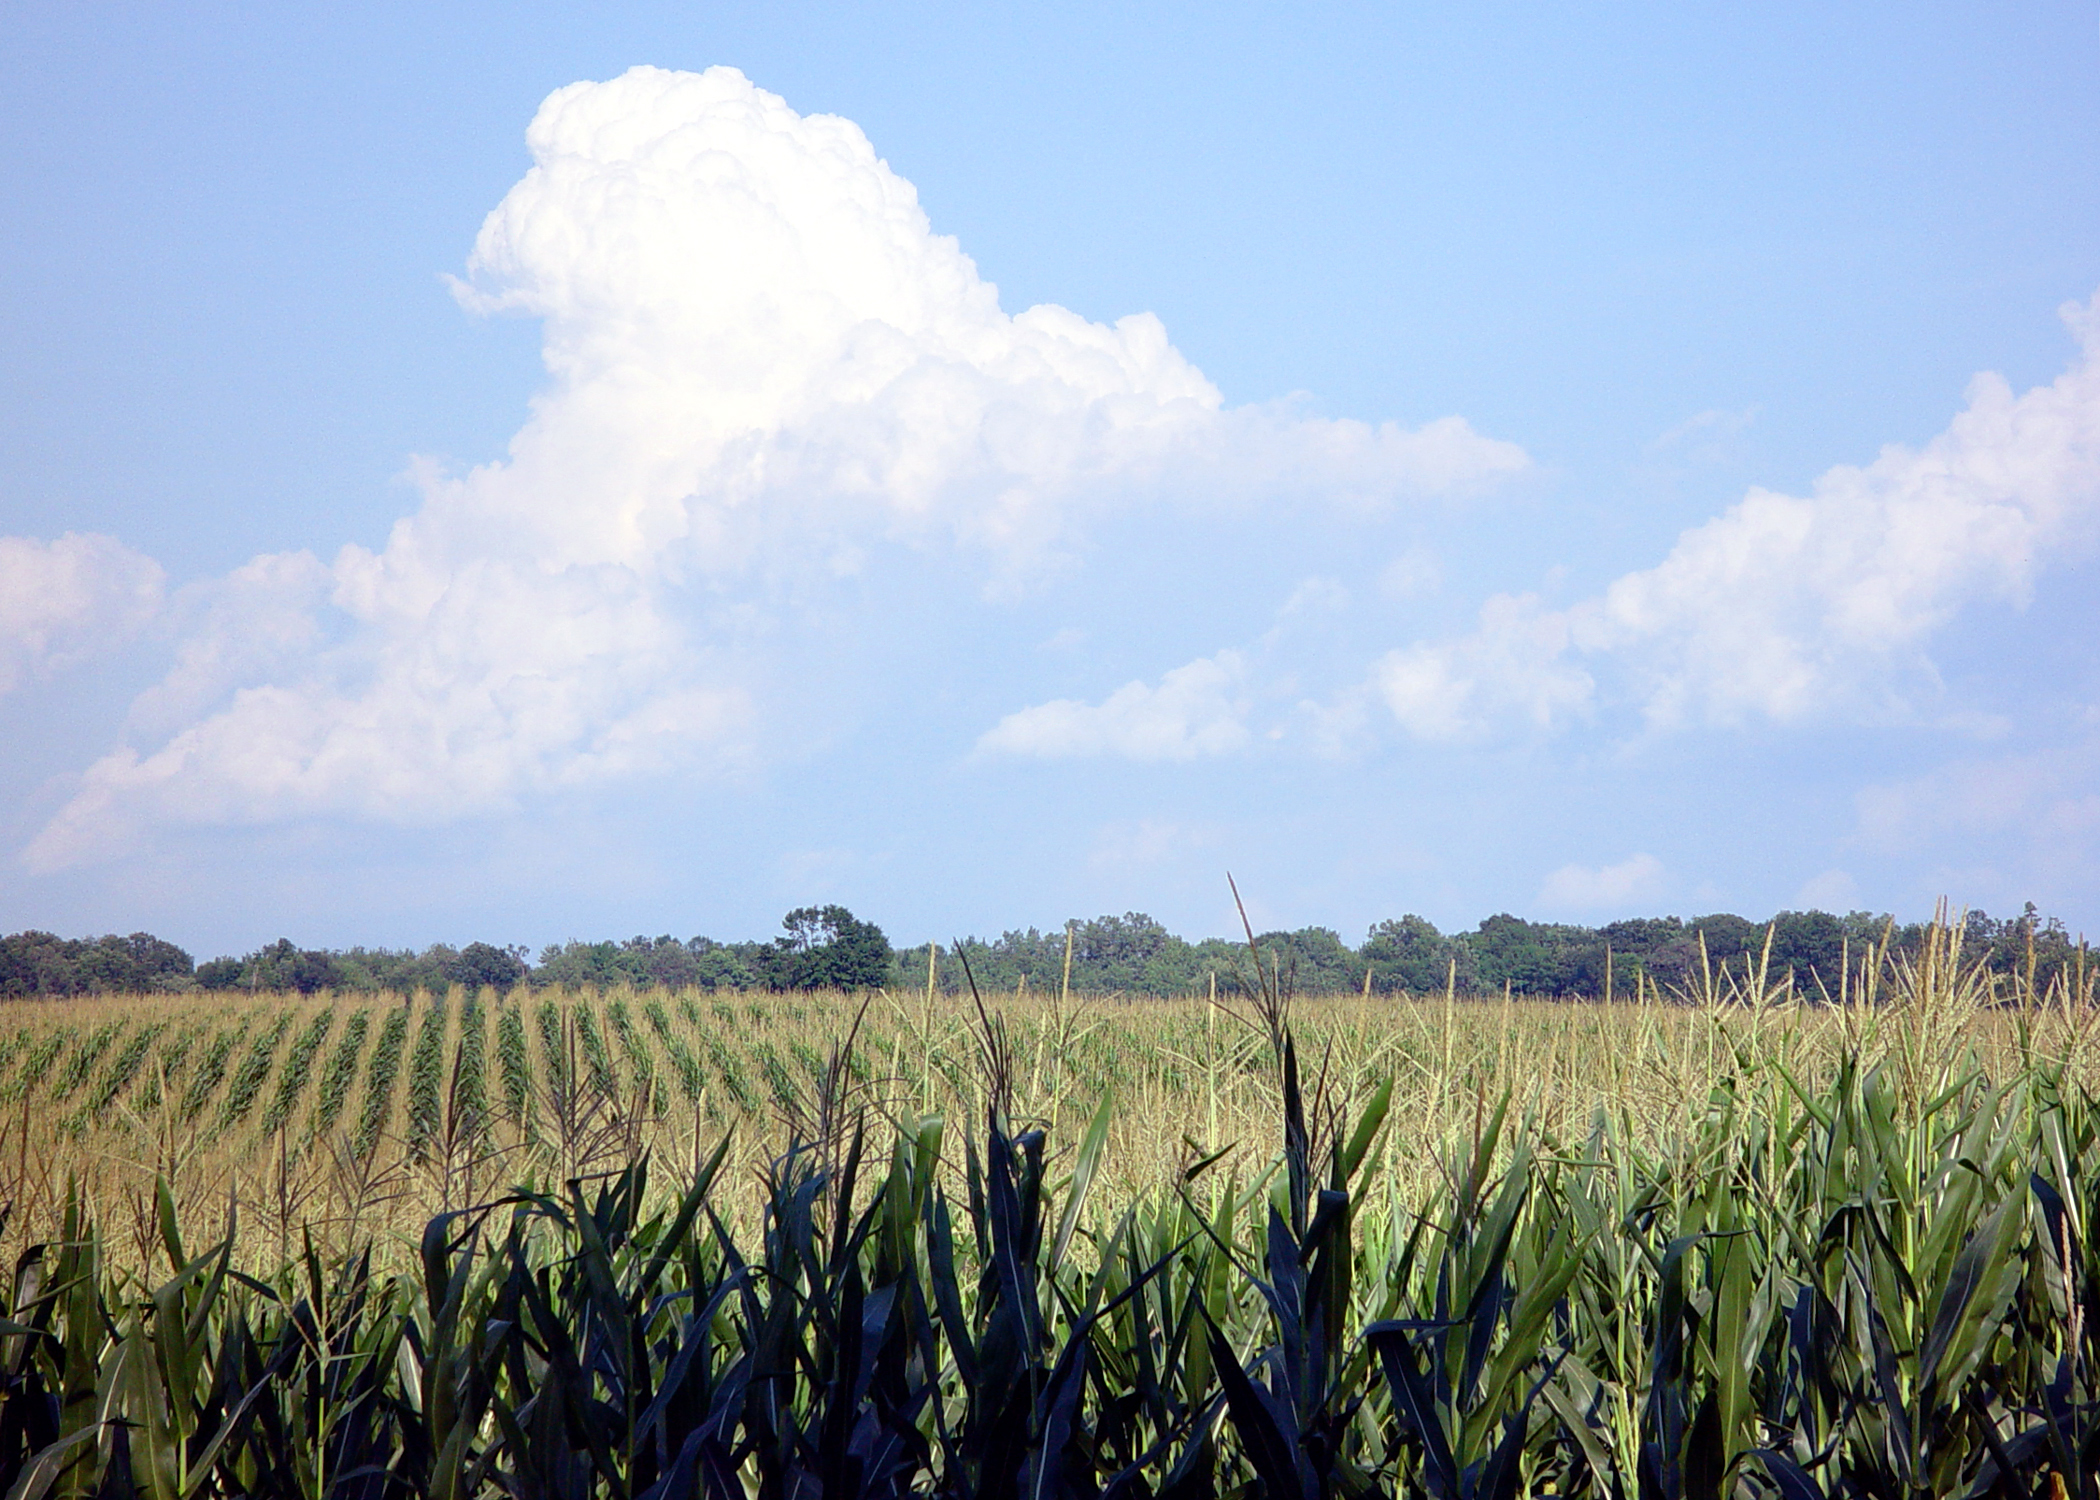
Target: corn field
x,y
653,1245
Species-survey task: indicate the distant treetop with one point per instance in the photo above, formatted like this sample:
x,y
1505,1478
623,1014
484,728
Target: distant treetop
x,y
828,947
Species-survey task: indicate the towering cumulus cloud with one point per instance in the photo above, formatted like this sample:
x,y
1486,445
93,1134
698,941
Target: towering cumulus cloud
x,y
763,362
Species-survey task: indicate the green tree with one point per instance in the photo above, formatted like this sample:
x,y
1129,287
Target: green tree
x,y
1312,960
1411,954
483,964
827,947
42,963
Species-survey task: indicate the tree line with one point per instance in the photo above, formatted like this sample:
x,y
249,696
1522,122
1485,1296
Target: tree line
x,y
827,947
1133,954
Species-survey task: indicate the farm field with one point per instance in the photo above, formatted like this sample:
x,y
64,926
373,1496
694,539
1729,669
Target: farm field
x,y
1723,1243
356,1119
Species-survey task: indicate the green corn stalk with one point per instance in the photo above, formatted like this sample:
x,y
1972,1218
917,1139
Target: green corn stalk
x,y
554,1050
122,1069
806,1055
211,1068
340,1075
37,1061
245,1086
74,1069
719,1057
298,1066
779,1082
1873,1282
173,1057
470,1072
10,1046
514,1065
597,1059
730,1069
632,1047
426,1079
380,1075
692,1078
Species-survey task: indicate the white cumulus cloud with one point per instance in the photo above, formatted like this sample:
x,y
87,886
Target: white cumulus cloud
x,y
1513,666
65,601
1195,710
1639,877
1787,607
763,362
755,331
1833,890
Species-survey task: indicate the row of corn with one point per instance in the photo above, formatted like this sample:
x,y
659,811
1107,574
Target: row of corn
x,y
1873,1286
268,1066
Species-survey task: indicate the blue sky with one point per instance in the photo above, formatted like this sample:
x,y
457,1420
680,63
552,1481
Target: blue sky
x,y
985,468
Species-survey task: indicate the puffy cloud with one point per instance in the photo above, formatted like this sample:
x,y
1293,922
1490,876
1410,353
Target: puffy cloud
x,y
1786,607
65,601
1833,890
1639,877
755,332
764,365
1510,667
263,617
1198,709
511,684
